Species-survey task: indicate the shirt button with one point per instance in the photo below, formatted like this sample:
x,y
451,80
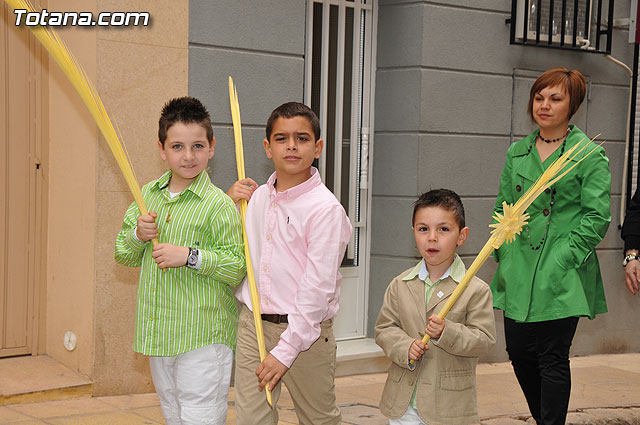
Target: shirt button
x,y
547,191
545,212
518,188
268,237
151,318
273,205
264,268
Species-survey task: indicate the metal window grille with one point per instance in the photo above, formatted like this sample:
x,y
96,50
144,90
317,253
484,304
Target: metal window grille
x,y
338,73
584,25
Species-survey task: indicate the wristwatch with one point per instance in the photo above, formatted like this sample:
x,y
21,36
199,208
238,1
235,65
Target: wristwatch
x,y
192,259
628,258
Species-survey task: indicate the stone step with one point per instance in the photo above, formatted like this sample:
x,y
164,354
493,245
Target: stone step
x,y
30,379
360,356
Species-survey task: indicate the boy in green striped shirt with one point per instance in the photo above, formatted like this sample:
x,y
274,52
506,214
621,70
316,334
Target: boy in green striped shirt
x,y
186,310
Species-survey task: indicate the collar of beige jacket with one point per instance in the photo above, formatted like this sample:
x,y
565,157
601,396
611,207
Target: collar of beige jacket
x,y
440,294
416,286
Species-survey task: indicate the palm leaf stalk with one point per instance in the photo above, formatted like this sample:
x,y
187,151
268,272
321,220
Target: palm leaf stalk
x,y
255,297
77,76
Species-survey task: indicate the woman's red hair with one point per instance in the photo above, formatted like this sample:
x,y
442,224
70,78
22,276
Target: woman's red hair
x,y
572,81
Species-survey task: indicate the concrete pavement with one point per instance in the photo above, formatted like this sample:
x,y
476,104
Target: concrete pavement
x,y
605,391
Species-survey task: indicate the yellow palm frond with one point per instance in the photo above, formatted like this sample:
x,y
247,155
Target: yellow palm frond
x,y
255,297
78,77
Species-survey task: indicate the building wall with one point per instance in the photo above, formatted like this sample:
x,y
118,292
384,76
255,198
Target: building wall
x,y
139,69
261,46
451,95
70,174
135,71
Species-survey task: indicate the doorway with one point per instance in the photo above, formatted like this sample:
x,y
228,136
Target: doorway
x,y
21,118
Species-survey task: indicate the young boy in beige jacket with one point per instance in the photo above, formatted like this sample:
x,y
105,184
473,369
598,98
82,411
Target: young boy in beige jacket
x,y
439,386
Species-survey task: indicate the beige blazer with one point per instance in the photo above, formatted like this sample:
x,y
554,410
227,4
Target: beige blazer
x,y
446,373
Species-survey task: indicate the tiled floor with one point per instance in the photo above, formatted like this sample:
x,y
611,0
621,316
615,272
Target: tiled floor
x,y
598,381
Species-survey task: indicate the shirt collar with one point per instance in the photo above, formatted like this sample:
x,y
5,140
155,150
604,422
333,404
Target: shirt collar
x,y
198,186
456,271
298,190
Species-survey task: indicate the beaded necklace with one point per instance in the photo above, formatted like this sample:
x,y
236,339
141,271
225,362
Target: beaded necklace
x,y
557,139
548,211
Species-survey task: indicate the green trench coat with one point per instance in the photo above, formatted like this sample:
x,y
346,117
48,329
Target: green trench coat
x,y
561,278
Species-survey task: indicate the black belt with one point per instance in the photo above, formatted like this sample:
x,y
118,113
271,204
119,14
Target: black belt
x,y
275,318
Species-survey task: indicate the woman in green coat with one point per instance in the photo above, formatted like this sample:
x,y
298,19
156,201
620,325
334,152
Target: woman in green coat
x,y
550,276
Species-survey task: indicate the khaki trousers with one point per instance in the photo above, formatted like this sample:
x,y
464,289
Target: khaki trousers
x,y
310,380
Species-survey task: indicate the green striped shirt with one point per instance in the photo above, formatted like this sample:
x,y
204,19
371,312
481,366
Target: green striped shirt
x,y
181,309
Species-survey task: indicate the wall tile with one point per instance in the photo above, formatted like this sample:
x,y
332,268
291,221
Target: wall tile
x,y
251,25
263,82
395,159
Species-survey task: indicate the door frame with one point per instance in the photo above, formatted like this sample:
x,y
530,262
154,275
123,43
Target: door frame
x,y
367,123
37,106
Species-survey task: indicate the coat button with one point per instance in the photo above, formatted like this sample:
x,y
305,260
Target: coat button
x,y
545,212
518,188
547,191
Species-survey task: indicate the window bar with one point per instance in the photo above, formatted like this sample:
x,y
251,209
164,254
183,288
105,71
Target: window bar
x,y
324,84
550,39
598,23
538,19
337,163
610,26
356,233
525,27
354,131
360,75
587,14
512,27
575,23
563,24
365,120
308,54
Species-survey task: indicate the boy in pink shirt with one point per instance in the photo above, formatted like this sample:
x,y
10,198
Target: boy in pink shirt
x,y
298,233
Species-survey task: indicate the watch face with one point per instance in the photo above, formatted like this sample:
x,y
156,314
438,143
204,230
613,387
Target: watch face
x,y
193,259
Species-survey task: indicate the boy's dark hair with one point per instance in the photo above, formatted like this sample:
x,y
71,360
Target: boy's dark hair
x,y
186,110
443,198
294,109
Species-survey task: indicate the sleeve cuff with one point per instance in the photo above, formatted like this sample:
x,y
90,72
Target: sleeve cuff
x,y
448,336
631,242
208,262
285,354
400,356
133,241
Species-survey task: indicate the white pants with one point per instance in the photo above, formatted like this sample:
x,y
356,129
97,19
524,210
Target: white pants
x,y
410,417
193,387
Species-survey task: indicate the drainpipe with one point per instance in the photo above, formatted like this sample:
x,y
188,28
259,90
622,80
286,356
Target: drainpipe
x,y
623,197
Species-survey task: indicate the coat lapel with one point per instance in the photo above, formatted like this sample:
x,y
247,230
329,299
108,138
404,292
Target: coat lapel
x,y
528,166
416,286
447,286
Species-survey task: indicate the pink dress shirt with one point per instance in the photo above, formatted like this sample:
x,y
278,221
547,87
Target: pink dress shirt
x,y
297,239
